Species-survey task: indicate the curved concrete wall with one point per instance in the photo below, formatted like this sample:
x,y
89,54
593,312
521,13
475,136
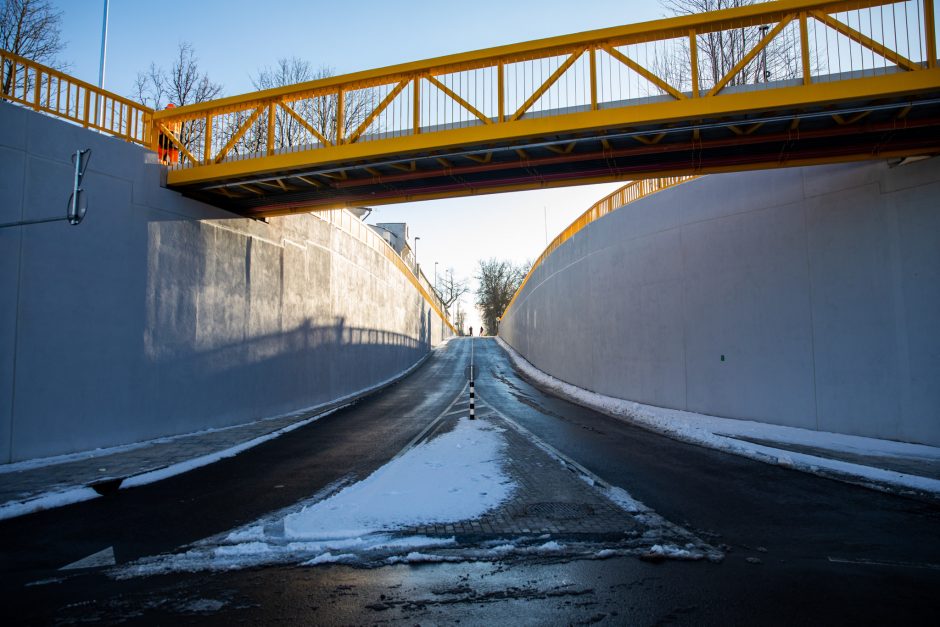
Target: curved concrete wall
x,y
807,297
159,315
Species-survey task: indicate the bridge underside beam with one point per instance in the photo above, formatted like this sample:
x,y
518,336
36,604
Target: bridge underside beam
x,y
771,138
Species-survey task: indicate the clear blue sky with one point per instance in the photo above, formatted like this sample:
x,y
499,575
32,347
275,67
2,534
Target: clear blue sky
x,y
234,38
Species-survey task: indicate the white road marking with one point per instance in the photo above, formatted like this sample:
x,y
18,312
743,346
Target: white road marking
x,y
867,562
102,558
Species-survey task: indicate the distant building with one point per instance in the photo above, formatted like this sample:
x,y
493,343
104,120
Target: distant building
x,y
396,234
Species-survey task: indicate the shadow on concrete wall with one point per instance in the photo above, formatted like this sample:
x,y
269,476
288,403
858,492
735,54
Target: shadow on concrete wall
x,y
161,315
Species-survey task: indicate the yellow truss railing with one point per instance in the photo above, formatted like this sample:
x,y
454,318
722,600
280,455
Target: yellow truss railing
x,y
45,89
625,195
490,95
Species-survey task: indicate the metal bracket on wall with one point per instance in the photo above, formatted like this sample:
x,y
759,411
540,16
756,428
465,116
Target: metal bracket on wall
x,y
77,206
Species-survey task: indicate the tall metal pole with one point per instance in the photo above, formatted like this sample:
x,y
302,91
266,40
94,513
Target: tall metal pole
x,y
104,46
104,56
417,267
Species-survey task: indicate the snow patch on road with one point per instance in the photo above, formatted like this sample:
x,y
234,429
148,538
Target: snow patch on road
x,y
721,433
456,476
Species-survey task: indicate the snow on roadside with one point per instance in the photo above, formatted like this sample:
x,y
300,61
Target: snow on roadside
x,y
458,475
718,433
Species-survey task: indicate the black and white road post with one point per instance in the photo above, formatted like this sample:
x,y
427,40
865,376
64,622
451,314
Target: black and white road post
x,y
472,416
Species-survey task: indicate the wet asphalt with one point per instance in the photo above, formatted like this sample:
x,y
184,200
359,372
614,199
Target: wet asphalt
x,y
799,549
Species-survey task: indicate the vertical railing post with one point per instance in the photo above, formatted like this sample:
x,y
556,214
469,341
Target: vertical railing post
x,y
501,92
340,115
804,47
37,89
693,60
272,107
593,57
207,141
929,34
416,103
87,108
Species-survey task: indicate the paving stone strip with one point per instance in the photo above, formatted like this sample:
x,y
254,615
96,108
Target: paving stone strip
x,y
35,480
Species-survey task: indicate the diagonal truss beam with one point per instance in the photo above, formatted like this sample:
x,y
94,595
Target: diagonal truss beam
x,y
456,98
865,41
750,55
377,111
238,135
173,138
546,85
642,71
306,125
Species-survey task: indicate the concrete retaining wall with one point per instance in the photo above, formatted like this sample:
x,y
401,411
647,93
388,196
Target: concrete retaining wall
x,y
807,297
159,315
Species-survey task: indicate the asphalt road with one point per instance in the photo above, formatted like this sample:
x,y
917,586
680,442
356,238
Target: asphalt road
x,y
799,549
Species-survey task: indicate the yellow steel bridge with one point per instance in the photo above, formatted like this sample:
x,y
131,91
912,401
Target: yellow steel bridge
x,y
785,83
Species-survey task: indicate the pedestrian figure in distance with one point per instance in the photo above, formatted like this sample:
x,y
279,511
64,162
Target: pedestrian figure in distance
x,y
471,331
481,331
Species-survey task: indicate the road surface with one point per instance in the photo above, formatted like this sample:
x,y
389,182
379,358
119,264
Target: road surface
x,y
797,548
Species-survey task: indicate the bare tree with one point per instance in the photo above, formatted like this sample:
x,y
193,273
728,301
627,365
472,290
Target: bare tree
x,y
182,84
319,111
31,29
499,280
720,51
460,319
449,289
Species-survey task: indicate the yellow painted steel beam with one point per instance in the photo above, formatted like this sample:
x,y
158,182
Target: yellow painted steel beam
x,y
866,41
804,49
842,121
238,135
484,159
562,151
751,15
689,109
309,127
176,142
538,93
456,98
650,141
411,167
416,105
642,71
375,112
309,181
271,108
482,190
593,74
207,142
753,52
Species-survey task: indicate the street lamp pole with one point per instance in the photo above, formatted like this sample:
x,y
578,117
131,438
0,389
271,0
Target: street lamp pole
x,y
417,265
435,277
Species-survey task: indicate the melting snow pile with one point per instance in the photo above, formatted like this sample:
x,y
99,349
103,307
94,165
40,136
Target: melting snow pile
x,y
456,476
451,478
